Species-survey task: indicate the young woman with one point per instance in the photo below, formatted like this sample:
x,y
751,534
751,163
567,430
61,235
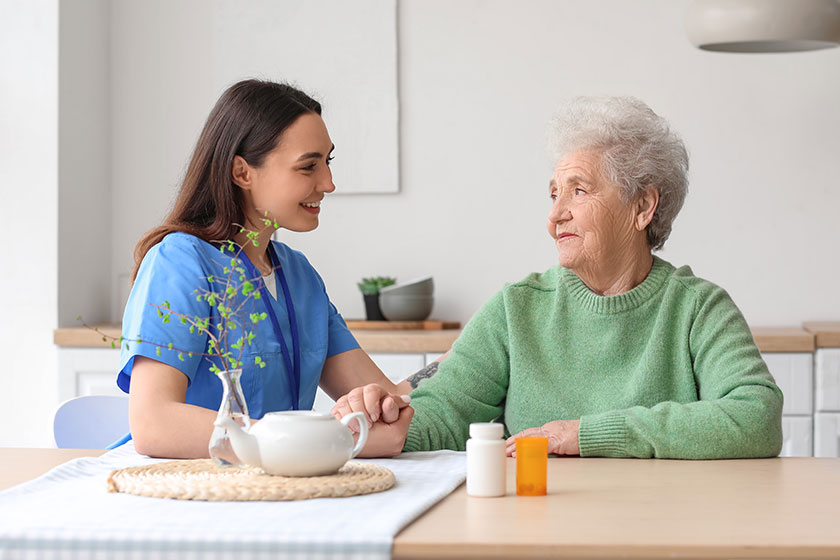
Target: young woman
x,y
263,154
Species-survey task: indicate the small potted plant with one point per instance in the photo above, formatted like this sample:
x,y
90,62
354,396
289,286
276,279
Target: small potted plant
x,y
370,291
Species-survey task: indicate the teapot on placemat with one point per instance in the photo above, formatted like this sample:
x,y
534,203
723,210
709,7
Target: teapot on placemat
x,y
296,442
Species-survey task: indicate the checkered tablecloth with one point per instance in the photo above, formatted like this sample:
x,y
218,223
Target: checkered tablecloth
x,y
68,513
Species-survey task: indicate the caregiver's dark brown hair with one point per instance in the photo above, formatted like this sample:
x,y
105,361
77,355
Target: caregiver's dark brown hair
x,y
247,121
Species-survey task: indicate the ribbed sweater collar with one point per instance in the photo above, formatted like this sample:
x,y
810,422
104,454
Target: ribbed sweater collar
x,y
659,273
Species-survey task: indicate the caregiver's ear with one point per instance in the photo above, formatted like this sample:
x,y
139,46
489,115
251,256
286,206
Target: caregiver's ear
x,y
241,173
645,207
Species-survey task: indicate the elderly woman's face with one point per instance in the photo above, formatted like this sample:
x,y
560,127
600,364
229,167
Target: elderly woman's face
x,y
590,223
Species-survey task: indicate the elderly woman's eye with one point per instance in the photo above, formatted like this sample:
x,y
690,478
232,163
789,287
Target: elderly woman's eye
x,y
579,191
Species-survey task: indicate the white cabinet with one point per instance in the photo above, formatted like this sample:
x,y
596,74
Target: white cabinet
x,y
827,402
797,436
87,371
794,374
827,395
827,434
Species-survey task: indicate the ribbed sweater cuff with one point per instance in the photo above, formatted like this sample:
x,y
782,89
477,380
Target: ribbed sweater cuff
x,y
413,441
603,435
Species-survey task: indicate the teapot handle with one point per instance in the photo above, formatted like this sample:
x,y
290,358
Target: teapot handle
x,y
363,431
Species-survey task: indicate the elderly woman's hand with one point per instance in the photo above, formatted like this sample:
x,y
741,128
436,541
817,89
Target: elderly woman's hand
x,y
387,440
374,401
562,437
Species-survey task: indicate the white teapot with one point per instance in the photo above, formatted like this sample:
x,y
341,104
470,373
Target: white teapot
x,y
296,442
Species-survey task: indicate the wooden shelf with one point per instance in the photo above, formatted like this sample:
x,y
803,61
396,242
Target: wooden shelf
x,y
783,339
826,333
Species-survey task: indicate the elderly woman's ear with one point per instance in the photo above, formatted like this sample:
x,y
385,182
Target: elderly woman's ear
x,y
646,206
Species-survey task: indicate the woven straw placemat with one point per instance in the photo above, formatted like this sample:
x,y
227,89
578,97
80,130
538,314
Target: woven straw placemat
x,y
202,479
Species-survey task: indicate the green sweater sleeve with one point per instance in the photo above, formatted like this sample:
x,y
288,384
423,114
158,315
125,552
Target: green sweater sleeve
x,y
470,385
738,413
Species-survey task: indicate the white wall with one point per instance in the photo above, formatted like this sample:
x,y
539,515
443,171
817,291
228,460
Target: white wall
x,y
478,82
29,214
84,164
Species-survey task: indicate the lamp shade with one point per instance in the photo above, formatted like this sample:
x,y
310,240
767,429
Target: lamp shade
x,y
752,26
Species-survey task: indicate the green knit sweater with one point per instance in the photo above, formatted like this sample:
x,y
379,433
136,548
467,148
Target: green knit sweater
x,y
668,369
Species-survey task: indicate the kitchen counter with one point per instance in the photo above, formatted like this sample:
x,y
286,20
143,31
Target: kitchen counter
x,y
768,339
397,341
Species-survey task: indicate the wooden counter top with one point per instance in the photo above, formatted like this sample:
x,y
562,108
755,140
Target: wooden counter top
x,y
401,341
826,333
768,339
783,339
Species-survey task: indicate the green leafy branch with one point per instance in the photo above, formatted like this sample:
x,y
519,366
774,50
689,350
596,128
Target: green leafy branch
x,y
223,335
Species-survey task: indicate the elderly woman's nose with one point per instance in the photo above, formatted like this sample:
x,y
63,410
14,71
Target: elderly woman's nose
x,y
559,211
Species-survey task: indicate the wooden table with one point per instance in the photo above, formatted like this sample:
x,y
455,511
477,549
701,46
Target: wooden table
x,y
609,508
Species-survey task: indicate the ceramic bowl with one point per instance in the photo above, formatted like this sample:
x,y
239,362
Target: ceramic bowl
x,y
424,286
399,307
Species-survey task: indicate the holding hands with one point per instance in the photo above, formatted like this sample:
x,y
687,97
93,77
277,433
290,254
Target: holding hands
x,y
374,401
562,437
387,413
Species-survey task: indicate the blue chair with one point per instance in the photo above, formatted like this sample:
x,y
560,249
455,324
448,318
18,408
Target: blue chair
x,y
91,422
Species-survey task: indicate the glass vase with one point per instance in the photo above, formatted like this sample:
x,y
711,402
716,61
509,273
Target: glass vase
x,y
233,406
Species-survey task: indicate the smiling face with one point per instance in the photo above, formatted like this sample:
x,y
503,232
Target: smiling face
x,y
591,225
293,179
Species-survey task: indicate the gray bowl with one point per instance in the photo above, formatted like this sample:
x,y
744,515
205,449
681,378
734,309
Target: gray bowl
x,y
424,286
399,307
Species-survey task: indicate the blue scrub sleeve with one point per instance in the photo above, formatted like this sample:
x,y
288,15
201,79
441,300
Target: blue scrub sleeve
x,y
340,337
171,271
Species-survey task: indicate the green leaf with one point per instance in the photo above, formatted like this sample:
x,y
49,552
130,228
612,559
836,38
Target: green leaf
x,y
166,318
180,356
210,278
113,344
247,288
192,329
169,346
160,313
157,351
166,304
139,341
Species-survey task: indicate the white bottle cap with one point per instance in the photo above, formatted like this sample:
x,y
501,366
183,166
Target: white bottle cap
x,y
486,430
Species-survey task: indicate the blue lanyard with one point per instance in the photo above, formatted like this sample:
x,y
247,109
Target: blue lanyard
x,y
292,362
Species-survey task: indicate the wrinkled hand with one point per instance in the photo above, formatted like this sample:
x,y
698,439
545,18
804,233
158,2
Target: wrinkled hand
x,y
374,401
387,440
562,437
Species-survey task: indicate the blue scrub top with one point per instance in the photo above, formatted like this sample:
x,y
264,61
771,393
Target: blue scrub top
x,y
182,263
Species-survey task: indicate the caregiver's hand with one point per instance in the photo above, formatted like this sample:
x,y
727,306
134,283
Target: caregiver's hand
x,y
374,401
562,437
387,440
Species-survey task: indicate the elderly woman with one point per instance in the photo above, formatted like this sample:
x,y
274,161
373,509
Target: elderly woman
x,y
615,352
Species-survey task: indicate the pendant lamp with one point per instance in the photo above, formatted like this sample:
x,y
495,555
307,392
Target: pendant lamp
x,y
754,26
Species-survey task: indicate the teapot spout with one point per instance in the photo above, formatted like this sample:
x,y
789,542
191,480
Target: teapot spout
x,y
244,444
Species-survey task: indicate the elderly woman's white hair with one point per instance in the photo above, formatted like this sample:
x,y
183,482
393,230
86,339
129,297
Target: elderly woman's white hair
x,y
637,149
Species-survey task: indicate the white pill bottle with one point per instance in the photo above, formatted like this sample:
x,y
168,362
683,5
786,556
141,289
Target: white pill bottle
x,y
486,475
